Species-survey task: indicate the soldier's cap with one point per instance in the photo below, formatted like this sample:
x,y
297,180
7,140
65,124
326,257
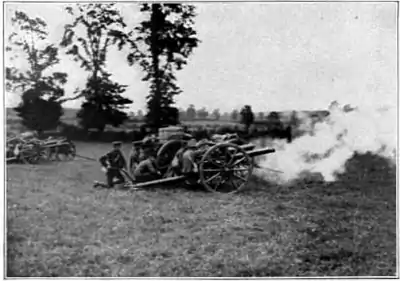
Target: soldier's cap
x,y
116,143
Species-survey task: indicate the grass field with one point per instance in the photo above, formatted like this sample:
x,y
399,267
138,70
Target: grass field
x,y
58,225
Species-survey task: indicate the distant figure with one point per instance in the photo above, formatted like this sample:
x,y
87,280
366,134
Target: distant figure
x,y
112,163
289,134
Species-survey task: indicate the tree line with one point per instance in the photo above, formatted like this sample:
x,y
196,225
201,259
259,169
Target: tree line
x,y
160,45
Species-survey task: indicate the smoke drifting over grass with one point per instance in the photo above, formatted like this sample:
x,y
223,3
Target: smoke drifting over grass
x,y
326,148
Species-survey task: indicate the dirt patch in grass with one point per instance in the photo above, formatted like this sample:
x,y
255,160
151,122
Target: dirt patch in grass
x,y
59,226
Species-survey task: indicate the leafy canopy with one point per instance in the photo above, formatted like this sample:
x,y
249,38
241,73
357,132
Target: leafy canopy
x,y
103,28
42,90
163,43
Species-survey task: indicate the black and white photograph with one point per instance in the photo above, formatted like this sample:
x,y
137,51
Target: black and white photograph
x,y
200,139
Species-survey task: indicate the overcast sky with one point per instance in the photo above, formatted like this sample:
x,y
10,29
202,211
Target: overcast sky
x,y
273,56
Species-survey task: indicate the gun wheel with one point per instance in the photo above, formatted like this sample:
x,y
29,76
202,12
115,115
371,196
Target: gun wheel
x,y
70,151
166,154
225,168
31,154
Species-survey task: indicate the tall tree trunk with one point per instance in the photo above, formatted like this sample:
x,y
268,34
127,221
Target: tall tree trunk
x,y
156,23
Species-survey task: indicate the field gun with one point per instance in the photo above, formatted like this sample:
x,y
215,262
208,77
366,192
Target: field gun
x,y
221,167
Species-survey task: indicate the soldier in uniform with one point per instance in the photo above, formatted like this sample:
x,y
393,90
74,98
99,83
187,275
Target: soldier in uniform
x,y
136,155
112,163
145,169
184,160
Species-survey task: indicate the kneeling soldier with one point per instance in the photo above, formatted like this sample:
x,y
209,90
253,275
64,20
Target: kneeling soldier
x,y
145,169
112,163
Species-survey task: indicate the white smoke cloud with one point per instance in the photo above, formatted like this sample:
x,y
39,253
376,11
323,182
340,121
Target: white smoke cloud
x,y
329,144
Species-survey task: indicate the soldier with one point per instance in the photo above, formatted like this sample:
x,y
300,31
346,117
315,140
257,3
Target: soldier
x,y
146,169
184,159
135,156
112,163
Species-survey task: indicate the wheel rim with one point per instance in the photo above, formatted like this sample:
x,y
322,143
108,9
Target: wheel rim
x,y
72,150
225,168
30,154
166,154
47,153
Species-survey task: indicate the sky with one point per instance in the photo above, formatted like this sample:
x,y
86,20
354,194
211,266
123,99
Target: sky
x,y
271,56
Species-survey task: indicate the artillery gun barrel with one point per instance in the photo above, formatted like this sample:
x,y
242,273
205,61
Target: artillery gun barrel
x,y
257,152
261,151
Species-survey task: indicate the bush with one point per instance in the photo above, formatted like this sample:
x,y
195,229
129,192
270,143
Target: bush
x,y
226,129
78,134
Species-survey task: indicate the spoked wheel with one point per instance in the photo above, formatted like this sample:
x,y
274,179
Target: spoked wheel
x,y
64,151
72,151
225,168
68,150
50,152
166,154
31,154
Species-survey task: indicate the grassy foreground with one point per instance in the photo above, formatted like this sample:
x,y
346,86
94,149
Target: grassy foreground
x,y
58,225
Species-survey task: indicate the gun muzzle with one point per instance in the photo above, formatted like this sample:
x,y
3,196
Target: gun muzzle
x,y
261,151
256,152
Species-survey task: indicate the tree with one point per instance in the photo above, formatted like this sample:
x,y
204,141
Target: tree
x,y
225,116
261,116
234,115
273,116
274,121
191,113
103,104
42,91
202,113
103,27
164,41
216,114
247,117
32,109
294,120
182,114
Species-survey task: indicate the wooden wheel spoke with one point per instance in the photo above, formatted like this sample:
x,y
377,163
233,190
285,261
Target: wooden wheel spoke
x,y
223,181
212,170
239,161
231,157
240,169
239,177
213,177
